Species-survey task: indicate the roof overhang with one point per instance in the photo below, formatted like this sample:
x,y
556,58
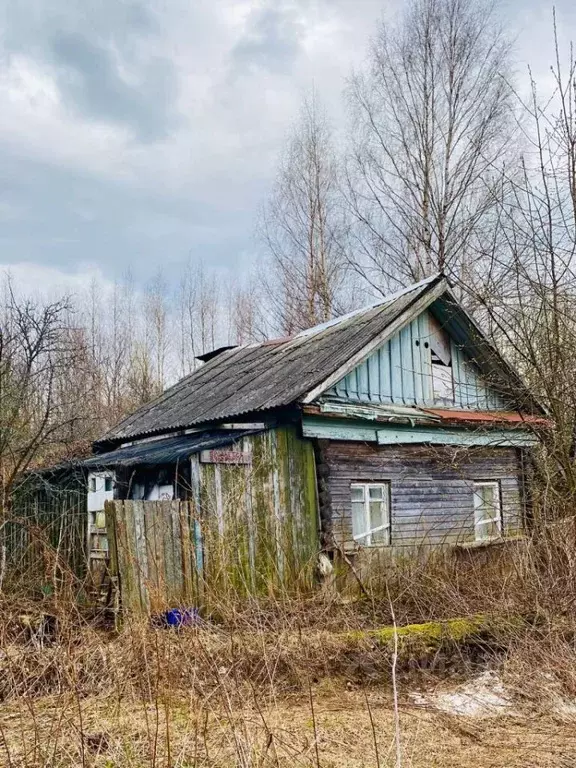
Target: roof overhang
x,y
171,450
434,292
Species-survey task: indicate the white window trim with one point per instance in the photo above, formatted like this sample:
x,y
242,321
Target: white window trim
x,y
498,519
365,538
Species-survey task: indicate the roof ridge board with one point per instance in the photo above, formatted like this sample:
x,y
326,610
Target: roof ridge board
x,y
381,303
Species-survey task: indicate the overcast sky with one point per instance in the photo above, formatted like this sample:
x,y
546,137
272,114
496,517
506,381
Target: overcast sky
x,y
140,134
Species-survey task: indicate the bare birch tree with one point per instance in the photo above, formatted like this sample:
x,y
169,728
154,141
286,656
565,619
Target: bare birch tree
x,y
200,311
302,230
431,126
528,293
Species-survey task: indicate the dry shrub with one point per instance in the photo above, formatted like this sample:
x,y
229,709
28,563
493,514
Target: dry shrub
x,y
283,643
252,653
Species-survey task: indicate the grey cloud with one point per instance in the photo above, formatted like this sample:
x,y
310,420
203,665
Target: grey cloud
x,y
90,82
59,217
271,40
89,47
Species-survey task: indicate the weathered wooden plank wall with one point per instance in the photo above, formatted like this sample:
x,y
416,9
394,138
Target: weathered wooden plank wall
x,y
247,529
431,488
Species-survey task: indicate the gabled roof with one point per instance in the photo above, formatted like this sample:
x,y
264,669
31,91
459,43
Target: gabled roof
x,y
273,374
279,373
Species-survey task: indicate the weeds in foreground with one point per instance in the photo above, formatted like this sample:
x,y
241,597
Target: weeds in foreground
x,y
299,680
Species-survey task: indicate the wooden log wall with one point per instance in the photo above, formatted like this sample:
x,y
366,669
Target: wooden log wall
x,y
431,488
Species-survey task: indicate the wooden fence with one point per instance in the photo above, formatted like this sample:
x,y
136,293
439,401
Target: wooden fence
x,y
42,537
165,554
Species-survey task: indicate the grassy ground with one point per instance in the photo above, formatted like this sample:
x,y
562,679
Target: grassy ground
x,y
307,680
347,728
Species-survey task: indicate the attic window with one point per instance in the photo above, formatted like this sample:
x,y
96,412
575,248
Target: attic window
x,y
442,380
442,373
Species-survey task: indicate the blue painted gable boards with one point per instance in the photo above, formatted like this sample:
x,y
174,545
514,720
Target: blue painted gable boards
x,y
407,370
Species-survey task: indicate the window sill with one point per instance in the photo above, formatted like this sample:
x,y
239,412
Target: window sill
x,y
500,541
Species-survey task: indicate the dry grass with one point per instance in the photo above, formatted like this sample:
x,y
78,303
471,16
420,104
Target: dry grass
x,y
296,680
178,732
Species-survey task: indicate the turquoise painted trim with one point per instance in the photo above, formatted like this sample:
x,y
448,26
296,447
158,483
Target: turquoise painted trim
x,y
338,429
494,438
400,372
360,431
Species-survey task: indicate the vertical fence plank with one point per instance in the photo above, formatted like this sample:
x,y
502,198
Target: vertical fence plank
x,y
245,530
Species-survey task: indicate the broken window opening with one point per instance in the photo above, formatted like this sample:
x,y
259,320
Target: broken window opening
x,y
441,360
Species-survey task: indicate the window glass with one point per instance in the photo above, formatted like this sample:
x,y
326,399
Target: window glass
x,y
100,520
92,484
108,484
370,513
380,537
358,520
487,510
357,493
376,514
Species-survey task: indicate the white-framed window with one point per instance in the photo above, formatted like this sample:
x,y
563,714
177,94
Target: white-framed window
x,y
370,513
487,510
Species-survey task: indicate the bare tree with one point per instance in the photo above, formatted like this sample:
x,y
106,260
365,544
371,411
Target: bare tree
x,y
431,128
302,228
528,292
155,330
37,407
246,317
200,314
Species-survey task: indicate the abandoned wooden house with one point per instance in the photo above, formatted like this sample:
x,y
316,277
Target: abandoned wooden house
x,y
396,425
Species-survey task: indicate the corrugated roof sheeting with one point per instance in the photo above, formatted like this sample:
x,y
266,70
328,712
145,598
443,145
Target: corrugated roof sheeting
x,y
168,451
264,376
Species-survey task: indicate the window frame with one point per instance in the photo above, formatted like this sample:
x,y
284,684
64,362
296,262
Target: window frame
x,y
365,538
499,519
